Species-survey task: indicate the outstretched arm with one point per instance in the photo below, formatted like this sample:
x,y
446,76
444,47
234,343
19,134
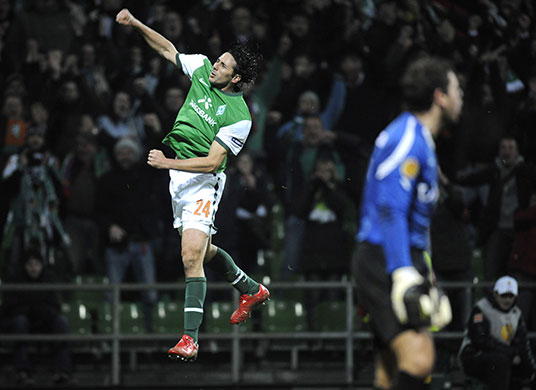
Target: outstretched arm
x,y
160,44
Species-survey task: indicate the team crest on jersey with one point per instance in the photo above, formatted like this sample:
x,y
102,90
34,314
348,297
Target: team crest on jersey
x,y
220,110
410,168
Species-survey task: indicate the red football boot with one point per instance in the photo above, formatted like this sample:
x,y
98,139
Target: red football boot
x,y
186,349
247,303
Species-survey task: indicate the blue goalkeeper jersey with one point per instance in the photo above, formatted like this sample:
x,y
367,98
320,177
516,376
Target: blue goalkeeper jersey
x,y
400,190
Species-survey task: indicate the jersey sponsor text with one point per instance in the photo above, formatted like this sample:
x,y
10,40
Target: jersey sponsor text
x,y
202,113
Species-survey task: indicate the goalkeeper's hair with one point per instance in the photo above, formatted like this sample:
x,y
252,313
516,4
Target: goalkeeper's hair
x,y
248,63
419,81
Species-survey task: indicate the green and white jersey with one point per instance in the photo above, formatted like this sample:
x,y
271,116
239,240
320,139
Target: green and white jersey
x,y
207,114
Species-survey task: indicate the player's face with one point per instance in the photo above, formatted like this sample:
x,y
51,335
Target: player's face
x,y
453,101
222,74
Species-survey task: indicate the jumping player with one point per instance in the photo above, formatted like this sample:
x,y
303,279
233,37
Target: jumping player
x,y
394,282
213,121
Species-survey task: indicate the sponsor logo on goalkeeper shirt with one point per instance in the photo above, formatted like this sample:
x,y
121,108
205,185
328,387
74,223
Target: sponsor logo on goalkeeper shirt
x,y
202,113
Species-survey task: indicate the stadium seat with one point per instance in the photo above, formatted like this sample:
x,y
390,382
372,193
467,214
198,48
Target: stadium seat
x,y
217,315
131,317
78,317
104,318
329,317
91,298
169,317
284,316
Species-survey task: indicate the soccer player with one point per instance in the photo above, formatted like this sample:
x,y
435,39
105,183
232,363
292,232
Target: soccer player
x,y
393,280
213,121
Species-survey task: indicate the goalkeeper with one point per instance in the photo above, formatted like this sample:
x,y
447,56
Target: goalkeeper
x,y
394,282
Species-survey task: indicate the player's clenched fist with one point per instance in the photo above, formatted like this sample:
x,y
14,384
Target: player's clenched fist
x,y
156,159
124,17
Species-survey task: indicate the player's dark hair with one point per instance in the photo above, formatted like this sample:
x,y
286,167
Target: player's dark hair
x,y
248,64
419,81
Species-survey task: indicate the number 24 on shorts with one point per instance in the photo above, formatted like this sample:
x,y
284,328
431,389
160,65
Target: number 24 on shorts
x,y
202,209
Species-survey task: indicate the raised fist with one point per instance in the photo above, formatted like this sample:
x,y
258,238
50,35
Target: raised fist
x,y
125,17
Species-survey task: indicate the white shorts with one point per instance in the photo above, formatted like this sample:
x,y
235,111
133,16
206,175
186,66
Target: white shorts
x,y
195,198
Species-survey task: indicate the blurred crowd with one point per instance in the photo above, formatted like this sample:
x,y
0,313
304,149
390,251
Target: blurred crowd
x,y
83,99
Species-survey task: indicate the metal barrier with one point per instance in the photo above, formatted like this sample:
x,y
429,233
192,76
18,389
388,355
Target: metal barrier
x,y
116,337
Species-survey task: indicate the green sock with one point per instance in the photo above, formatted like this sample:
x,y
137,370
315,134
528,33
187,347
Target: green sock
x,y
223,264
196,289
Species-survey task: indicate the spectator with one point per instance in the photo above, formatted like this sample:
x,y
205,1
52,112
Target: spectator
x,y
495,348
240,28
12,126
48,22
452,263
31,181
511,181
381,34
309,104
522,261
66,111
366,109
128,217
299,163
36,311
298,27
306,75
526,121
261,100
243,217
92,73
6,21
120,122
172,100
81,170
325,207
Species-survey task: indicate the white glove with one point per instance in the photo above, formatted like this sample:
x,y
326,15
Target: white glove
x,y
427,303
436,305
404,278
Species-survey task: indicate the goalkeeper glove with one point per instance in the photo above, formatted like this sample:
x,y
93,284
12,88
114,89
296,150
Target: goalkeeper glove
x,y
416,301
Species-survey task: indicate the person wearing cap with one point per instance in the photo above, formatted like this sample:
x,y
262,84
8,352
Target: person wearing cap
x,y
495,348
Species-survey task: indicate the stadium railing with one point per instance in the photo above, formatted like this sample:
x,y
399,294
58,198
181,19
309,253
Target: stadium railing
x,y
350,335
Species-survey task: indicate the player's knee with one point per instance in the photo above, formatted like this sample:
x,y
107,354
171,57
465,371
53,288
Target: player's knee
x,y
191,258
415,353
418,365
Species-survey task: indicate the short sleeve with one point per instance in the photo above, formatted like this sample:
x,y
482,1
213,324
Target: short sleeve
x,y
233,137
190,62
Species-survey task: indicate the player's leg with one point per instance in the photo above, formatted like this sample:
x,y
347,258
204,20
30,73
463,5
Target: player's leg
x,y
252,293
414,351
415,355
194,246
384,368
